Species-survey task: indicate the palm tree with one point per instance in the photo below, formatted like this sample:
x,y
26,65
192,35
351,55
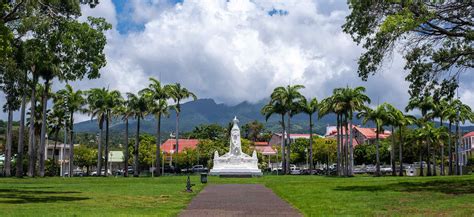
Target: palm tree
x,y
352,100
379,117
124,110
424,104
138,105
289,97
47,73
112,100
397,119
74,102
327,106
156,98
178,93
32,130
310,106
450,114
97,109
21,138
275,107
439,112
56,120
463,114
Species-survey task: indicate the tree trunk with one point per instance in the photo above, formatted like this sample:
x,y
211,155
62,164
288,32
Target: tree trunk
x,y
339,132
283,144
71,146
434,161
106,154
458,169
21,139
392,153
127,154
177,137
43,129
310,144
135,151
442,153
450,151
351,148
346,147
422,173
56,135
158,144
377,158
8,147
428,159
99,151
288,159
400,153
31,138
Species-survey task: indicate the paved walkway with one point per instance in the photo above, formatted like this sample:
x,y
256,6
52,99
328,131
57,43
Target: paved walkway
x,y
238,200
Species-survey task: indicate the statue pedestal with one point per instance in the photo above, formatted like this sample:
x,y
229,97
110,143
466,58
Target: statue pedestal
x,y
238,166
235,163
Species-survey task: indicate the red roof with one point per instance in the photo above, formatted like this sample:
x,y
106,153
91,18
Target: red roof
x,y
296,135
260,143
183,144
266,150
468,134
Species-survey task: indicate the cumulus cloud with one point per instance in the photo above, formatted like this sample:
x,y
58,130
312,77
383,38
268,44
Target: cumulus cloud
x,y
236,50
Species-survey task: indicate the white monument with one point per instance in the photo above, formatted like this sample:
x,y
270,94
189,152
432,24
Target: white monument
x,y
235,162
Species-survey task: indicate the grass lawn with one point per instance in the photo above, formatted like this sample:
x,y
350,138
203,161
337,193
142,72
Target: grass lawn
x,y
312,195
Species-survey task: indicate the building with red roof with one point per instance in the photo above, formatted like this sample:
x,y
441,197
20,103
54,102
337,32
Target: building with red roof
x,y
277,138
170,145
361,134
467,148
264,147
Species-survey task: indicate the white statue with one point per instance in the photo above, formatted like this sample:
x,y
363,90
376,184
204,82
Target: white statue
x,y
235,162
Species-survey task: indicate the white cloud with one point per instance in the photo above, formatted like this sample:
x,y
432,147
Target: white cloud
x,y
234,50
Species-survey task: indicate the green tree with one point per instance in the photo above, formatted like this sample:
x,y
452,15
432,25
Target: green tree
x,y
74,102
178,93
210,131
252,130
397,119
378,116
125,110
310,106
157,97
139,107
276,107
289,97
436,36
85,157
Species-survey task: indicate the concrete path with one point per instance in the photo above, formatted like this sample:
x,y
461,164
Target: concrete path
x,y
238,200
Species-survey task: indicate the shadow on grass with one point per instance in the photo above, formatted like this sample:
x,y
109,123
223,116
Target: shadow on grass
x,y
16,196
454,187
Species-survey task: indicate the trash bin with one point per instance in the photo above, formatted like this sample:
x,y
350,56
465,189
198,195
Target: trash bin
x,y
203,178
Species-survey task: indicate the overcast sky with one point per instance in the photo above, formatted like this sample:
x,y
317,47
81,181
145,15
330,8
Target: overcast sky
x,y
237,50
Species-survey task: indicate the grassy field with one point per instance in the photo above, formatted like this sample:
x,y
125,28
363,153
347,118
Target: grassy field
x,y
312,195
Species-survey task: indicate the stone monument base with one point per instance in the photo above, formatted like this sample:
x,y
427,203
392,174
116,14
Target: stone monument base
x,y
235,172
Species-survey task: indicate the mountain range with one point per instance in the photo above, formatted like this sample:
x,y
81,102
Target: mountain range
x,y
207,111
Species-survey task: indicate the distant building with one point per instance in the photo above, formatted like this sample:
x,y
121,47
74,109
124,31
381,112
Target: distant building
x,y
361,134
276,138
116,160
467,148
264,148
169,146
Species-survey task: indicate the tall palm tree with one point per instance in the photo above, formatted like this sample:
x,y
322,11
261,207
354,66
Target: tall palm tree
x,y
47,73
351,100
327,106
178,93
379,117
289,97
112,100
450,114
424,104
439,112
74,102
397,119
21,131
125,111
56,120
310,106
270,109
97,109
138,105
156,97
32,130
